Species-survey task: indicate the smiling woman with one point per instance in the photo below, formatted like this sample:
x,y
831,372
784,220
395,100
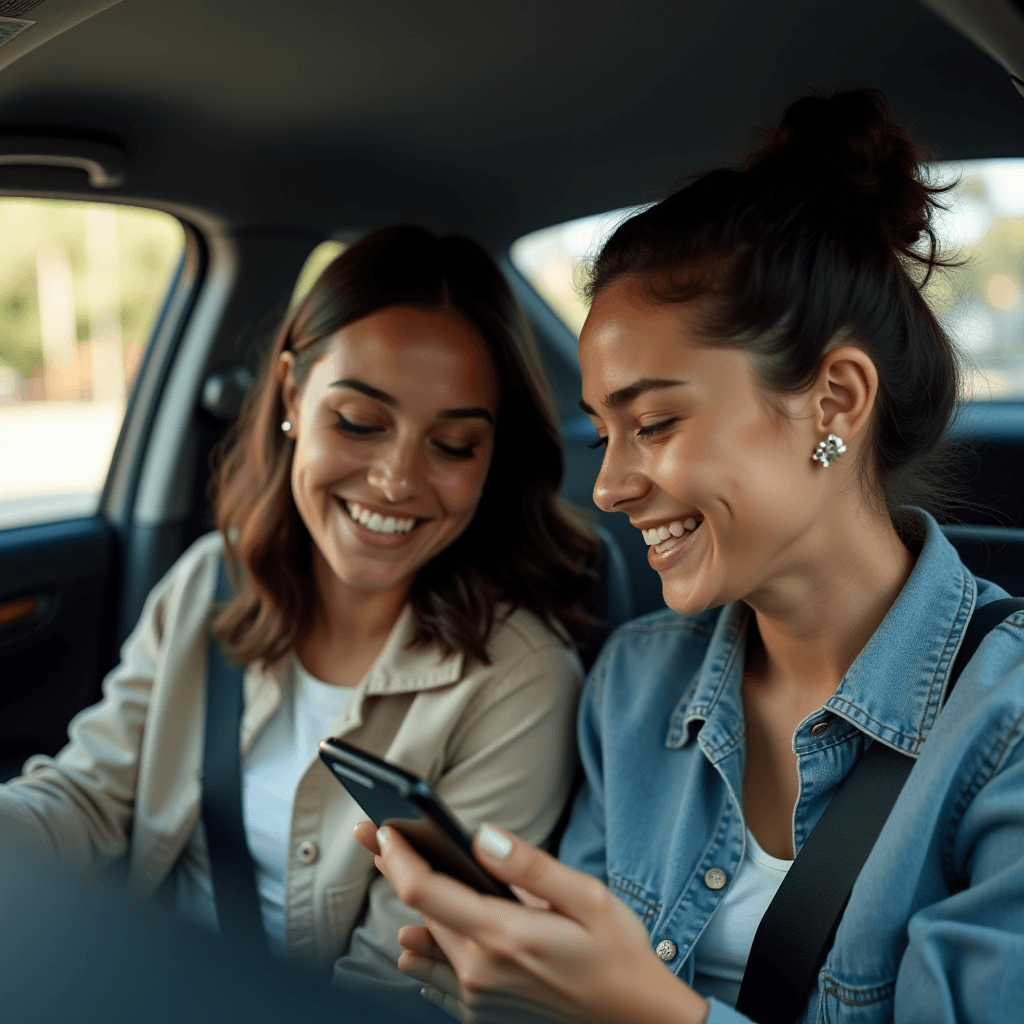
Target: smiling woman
x,y
401,424
772,390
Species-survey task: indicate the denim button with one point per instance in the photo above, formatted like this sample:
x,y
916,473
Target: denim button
x,y
307,852
818,728
715,878
666,949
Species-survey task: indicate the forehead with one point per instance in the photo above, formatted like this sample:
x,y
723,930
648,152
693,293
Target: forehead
x,y
420,356
628,338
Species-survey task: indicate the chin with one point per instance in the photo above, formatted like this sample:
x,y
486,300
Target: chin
x,y
687,602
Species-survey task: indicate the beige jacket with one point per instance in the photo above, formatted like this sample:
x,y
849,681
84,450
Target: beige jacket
x,y
496,741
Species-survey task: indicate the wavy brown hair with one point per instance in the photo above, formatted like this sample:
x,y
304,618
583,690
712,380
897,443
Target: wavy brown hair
x,y
524,547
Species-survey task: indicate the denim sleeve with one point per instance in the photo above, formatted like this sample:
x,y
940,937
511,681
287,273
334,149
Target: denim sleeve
x,y
964,954
583,844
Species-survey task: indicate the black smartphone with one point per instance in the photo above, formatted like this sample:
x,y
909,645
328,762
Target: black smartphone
x,y
402,800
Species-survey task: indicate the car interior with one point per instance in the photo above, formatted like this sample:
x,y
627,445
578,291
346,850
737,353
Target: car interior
x,y
266,130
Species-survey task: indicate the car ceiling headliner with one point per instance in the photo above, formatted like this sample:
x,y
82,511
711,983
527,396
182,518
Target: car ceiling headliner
x,y
490,117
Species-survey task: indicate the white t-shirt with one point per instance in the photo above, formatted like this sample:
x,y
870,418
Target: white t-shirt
x,y
271,771
721,953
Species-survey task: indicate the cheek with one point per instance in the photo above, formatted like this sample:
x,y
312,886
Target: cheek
x,y
459,488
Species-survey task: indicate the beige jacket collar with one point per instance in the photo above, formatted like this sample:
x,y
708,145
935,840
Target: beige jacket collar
x,y
396,670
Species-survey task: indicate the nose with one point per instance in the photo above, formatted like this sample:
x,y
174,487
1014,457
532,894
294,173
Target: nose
x,y
395,471
619,481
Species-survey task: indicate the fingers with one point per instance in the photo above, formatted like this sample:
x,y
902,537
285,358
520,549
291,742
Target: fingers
x,y
366,836
435,895
522,866
449,1003
419,939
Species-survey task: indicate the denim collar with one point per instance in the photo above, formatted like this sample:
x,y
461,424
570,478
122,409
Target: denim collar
x,y
893,690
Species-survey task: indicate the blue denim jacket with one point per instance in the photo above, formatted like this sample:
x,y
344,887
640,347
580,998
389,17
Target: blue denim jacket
x,y
934,930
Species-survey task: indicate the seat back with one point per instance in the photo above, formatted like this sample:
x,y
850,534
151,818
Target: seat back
x,y
992,552
611,600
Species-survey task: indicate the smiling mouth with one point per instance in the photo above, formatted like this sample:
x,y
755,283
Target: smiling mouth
x,y
377,523
661,538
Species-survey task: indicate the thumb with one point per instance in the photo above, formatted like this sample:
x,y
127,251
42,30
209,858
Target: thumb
x,y
523,866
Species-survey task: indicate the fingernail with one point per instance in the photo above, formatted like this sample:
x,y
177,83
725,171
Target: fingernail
x,y
382,837
433,995
496,843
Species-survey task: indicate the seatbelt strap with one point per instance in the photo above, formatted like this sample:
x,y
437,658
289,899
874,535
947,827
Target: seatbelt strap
x,y
798,928
231,866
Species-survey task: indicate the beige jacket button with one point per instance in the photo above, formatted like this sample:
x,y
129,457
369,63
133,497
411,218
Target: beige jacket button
x,y
666,949
308,852
714,878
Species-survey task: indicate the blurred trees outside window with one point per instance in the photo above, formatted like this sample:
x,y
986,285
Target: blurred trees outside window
x,y
980,303
80,286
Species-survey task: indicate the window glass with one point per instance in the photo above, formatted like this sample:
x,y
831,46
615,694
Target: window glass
x,y
315,265
80,287
980,302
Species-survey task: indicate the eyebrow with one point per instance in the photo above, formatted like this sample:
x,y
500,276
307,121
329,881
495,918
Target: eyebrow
x,y
467,413
625,395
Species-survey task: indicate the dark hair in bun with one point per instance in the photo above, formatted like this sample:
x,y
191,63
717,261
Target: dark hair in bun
x,y
822,238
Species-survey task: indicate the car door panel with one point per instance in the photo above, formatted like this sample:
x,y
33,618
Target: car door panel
x,y
57,583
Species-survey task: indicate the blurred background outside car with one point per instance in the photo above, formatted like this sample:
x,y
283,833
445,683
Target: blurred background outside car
x,y
980,302
81,285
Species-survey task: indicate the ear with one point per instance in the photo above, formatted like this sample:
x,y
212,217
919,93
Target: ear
x,y
289,389
844,392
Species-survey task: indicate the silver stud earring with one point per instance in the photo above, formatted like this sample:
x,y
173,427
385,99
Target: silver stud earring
x,y
828,451
286,425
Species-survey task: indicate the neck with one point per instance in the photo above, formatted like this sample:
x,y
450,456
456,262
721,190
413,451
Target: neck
x,y
350,616
814,621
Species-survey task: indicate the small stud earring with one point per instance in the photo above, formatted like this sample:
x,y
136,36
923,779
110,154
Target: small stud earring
x,y
286,425
828,451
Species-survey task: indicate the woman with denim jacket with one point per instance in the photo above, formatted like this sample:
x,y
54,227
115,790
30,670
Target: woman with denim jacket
x,y
772,392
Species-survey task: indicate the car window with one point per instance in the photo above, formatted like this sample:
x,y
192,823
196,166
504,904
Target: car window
x,y
80,287
315,265
980,302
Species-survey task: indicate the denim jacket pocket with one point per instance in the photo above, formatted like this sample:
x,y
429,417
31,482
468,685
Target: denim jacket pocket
x,y
637,898
861,1003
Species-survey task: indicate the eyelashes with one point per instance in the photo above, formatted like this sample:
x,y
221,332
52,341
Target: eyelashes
x,y
650,431
461,452
358,429
657,428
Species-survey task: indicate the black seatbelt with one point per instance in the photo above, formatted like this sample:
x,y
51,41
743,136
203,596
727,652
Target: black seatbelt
x,y
798,927
231,867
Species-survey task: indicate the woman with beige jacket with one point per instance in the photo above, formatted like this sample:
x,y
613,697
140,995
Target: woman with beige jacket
x,y
404,577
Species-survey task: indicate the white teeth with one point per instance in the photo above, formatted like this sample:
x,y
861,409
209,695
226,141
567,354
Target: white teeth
x,y
376,522
659,534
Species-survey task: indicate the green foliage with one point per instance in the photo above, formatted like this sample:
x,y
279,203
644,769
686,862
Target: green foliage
x,y
150,244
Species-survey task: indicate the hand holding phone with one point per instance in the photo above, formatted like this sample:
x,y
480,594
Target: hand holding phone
x,y
402,800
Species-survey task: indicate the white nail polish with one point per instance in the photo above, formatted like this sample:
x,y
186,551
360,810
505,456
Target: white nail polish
x,y
382,837
496,843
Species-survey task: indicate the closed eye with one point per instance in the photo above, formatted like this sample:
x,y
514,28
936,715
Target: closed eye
x,y
358,429
601,442
657,428
455,452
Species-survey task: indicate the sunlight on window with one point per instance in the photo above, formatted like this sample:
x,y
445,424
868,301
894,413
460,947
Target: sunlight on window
x,y
980,303
315,265
80,287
